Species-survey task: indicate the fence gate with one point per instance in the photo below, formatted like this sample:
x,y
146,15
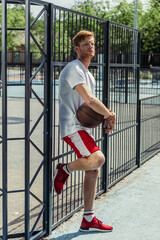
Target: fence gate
x,y
25,138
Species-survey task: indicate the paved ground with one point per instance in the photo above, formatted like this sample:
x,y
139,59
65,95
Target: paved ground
x,y
131,207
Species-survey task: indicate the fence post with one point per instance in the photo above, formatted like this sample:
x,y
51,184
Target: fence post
x,y
138,130
27,118
4,119
106,98
138,160
48,98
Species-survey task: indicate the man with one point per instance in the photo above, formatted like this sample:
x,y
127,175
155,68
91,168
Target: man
x,y
76,86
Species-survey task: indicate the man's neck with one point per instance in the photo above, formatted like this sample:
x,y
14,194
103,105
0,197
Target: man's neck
x,y
86,62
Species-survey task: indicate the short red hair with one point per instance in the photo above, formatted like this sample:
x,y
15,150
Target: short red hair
x,y
80,36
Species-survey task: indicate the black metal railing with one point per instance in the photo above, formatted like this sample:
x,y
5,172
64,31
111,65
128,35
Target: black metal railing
x,y
149,76
149,127
148,60
149,80
124,93
65,25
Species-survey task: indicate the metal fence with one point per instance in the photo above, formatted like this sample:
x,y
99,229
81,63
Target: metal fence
x,y
30,141
149,79
124,94
26,133
149,127
65,25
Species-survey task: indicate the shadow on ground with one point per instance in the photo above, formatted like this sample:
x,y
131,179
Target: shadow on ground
x,y
73,235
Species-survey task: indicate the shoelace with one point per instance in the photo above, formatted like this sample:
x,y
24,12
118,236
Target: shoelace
x,y
99,222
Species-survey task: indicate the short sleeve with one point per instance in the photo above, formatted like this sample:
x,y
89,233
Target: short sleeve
x,y
76,76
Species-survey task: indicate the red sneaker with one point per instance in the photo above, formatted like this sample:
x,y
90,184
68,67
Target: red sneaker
x,y
60,178
94,225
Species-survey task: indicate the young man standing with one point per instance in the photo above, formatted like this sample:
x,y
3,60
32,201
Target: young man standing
x,y
76,86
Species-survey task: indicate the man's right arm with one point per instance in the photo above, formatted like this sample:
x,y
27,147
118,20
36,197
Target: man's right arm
x,y
92,101
97,106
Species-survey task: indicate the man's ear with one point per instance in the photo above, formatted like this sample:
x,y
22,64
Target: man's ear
x,y
76,48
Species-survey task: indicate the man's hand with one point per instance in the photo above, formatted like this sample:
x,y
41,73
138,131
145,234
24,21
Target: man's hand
x,y
109,122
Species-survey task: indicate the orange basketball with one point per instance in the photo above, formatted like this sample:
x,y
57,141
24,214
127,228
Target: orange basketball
x,y
88,117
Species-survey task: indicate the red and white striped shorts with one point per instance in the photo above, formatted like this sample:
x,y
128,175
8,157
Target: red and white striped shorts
x,y
82,143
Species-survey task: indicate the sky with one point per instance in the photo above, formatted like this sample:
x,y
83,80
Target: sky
x,y
70,3
63,3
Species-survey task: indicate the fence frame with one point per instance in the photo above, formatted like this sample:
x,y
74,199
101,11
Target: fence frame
x,y
4,116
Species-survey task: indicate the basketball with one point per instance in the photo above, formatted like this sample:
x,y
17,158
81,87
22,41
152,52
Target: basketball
x,y
88,117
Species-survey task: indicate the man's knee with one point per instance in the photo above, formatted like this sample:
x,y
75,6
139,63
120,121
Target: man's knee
x,y
97,159
101,159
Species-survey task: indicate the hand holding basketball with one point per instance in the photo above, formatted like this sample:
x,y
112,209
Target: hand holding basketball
x,y
109,122
88,117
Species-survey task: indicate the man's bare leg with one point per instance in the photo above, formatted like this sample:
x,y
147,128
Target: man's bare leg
x,y
94,161
91,166
90,182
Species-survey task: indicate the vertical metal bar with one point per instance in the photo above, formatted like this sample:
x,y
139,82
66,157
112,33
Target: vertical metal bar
x,y
138,149
59,37
53,130
126,85
27,117
31,60
68,38
76,24
48,99
106,30
64,36
138,130
4,116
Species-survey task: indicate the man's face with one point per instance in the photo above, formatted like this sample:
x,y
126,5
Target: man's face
x,y
86,48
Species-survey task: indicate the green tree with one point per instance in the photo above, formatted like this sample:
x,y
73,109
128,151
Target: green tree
x,y
16,19
150,28
99,8
123,13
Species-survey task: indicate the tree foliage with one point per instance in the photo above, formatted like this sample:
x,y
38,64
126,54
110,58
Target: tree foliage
x,y
98,9
122,13
150,28
16,19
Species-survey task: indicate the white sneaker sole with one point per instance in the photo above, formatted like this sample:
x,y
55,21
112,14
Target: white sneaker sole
x,y
93,230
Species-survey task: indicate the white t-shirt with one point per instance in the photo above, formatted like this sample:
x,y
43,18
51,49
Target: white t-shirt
x,y
74,73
